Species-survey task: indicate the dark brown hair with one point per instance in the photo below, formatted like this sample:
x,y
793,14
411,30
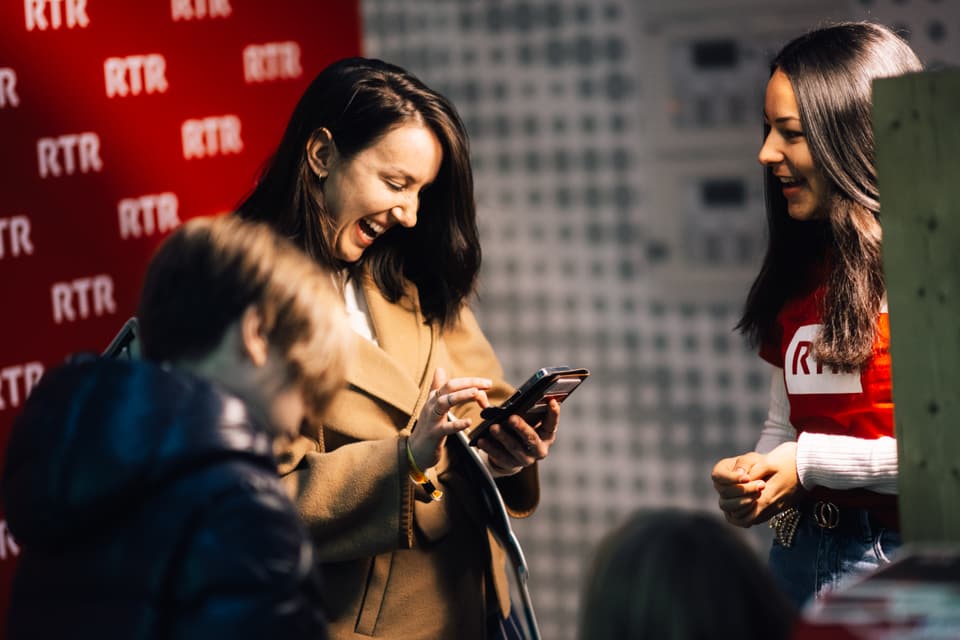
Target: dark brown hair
x,y
831,70
210,270
359,100
676,575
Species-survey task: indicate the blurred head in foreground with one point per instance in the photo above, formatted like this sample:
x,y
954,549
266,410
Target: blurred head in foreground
x,y
233,302
676,575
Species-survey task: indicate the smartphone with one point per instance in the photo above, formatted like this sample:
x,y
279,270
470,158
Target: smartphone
x,y
532,398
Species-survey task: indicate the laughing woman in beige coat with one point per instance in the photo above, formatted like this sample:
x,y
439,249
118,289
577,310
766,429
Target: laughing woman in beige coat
x,y
373,179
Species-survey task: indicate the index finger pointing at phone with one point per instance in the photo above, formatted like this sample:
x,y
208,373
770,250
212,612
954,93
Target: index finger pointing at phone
x,y
482,399
456,384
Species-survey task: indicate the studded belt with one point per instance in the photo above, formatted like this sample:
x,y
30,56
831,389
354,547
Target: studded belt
x,y
825,514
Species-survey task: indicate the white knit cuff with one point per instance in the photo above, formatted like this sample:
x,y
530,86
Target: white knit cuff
x,y
843,462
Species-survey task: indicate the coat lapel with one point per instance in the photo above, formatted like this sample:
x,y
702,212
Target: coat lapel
x,y
395,370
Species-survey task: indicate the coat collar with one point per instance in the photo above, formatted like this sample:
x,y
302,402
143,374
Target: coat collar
x,y
395,370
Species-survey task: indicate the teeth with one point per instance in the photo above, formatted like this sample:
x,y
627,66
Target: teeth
x,y
371,228
784,180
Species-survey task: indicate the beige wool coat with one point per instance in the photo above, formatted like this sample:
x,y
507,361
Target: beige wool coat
x,y
396,564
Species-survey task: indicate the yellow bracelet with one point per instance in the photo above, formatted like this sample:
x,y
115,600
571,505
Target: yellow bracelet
x,y
420,477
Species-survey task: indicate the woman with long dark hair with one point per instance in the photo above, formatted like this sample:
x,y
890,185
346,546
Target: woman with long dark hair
x,y
825,466
373,179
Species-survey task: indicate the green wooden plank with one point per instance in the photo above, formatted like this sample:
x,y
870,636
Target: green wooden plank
x,y
917,125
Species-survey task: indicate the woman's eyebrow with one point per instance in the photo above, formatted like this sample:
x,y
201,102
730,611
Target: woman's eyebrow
x,y
407,178
779,120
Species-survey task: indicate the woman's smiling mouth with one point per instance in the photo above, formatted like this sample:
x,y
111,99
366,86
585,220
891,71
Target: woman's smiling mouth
x,y
369,230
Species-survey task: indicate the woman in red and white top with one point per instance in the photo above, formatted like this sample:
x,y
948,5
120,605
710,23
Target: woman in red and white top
x,y
825,466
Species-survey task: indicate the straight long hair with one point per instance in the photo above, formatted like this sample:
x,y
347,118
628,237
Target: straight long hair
x,y
359,100
831,70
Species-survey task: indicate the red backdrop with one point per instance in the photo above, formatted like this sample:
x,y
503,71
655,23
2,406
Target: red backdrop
x,y
118,121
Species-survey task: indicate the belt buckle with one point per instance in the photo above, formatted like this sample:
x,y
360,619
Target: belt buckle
x,y
826,514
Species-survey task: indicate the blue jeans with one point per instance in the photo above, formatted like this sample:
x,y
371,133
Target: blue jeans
x,y
820,560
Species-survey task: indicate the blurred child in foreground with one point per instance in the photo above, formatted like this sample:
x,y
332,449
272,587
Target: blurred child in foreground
x,y
145,493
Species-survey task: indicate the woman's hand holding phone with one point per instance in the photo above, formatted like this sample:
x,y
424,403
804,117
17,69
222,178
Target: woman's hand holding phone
x,y
515,445
521,430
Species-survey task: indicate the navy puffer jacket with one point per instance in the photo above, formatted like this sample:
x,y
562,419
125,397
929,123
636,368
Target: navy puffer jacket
x,y
147,505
